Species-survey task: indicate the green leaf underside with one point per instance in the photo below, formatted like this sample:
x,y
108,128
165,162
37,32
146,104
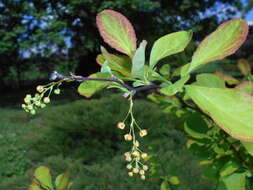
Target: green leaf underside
x,y
210,80
43,177
195,126
88,88
62,181
168,45
34,186
139,61
229,168
229,108
236,181
248,146
224,41
121,64
117,31
174,88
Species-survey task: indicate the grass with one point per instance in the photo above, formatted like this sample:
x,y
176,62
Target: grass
x,y
81,136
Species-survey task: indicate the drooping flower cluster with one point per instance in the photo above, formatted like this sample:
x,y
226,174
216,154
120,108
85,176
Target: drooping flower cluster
x,y
41,98
136,157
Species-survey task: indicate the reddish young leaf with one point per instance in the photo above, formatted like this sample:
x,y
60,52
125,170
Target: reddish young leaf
x,y
117,31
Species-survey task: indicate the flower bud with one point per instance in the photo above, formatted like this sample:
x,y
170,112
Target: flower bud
x,y
136,143
37,103
143,177
23,106
128,158
57,91
143,132
46,100
33,112
145,167
142,172
40,88
127,154
129,166
128,137
121,125
135,170
29,107
130,174
136,153
43,105
144,155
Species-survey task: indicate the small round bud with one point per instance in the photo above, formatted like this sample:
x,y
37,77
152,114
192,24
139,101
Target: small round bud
x,y
27,100
57,91
23,106
28,96
145,167
127,154
136,153
37,103
40,88
130,174
128,137
29,107
136,143
121,125
143,177
46,100
142,172
129,166
43,105
135,170
143,132
33,112
144,155
128,158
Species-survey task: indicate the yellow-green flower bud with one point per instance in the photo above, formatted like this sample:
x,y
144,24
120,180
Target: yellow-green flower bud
x,y
57,91
142,172
40,88
121,125
145,167
43,105
129,166
136,153
128,137
135,170
46,100
143,177
33,112
144,155
143,132
130,174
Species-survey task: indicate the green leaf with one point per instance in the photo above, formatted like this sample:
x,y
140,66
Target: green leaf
x,y
227,78
236,181
62,181
34,186
195,126
174,88
224,41
42,176
119,63
210,80
168,45
245,87
105,68
248,146
229,168
90,87
117,31
165,70
244,67
229,108
139,61
165,186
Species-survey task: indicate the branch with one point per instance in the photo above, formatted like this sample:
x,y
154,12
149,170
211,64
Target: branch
x,y
57,76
